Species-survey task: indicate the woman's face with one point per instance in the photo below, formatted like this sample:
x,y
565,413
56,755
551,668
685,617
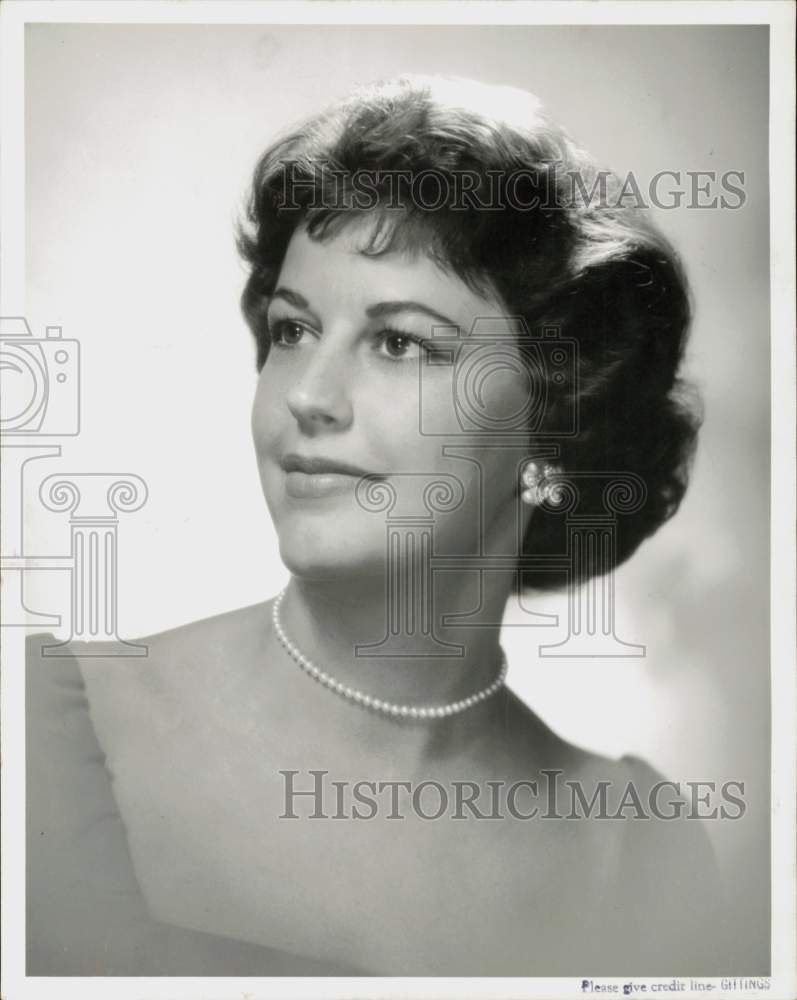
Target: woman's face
x,y
354,385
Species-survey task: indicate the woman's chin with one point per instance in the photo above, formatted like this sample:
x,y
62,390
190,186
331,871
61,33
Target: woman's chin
x,y
334,559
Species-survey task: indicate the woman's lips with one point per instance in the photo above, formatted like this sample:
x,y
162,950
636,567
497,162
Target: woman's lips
x,y
303,485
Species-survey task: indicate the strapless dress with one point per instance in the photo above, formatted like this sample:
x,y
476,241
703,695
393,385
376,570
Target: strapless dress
x,y
87,914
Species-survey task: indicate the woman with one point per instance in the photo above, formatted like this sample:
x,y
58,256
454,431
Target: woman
x,y
208,812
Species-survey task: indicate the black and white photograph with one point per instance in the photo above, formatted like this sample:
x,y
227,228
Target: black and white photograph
x,y
398,499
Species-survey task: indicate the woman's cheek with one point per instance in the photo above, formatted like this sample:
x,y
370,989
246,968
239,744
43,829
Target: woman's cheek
x,y
265,413
436,415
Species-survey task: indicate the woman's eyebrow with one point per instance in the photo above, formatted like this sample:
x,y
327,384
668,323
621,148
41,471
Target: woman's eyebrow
x,y
294,299
377,311
406,305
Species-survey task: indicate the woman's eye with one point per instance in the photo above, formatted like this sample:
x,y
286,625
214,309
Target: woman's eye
x,y
286,331
399,345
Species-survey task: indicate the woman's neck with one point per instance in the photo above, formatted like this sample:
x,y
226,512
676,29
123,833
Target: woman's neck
x,y
395,648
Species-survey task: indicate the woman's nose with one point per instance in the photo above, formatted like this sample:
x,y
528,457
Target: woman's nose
x,y
319,399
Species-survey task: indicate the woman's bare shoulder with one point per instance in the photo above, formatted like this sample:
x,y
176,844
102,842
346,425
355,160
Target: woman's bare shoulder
x,y
236,627
535,745
178,663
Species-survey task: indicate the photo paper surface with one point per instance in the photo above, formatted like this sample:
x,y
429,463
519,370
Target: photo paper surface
x,y
398,489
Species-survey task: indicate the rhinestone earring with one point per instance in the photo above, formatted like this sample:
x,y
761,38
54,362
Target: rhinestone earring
x,y
536,488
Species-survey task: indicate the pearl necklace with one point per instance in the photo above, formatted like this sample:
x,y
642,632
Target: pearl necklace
x,y
386,707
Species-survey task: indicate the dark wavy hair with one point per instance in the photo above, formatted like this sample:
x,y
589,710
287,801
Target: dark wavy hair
x,y
529,231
